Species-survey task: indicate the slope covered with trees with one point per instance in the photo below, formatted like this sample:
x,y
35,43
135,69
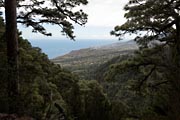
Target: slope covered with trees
x,y
146,86
46,90
87,62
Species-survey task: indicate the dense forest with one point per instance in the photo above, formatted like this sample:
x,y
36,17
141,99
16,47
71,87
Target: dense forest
x,y
144,85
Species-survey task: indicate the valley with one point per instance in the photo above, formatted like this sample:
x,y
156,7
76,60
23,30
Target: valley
x,y
85,62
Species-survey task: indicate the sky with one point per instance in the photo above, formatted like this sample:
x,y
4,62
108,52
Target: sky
x,y
103,16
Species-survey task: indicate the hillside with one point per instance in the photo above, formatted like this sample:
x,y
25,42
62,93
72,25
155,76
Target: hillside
x,y
85,61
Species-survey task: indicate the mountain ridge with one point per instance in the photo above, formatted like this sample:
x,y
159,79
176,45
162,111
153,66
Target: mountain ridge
x,y
84,61
119,46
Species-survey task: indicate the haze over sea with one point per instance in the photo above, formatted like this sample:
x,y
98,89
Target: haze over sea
x,y
54,48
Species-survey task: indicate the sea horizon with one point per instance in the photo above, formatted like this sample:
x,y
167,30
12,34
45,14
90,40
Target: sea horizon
x,y
54,48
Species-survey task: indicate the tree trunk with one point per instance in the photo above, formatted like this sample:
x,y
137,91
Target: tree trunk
x,y
175,76
12,54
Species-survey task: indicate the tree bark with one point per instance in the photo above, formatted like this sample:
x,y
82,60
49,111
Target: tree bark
x,y
174,76
12,54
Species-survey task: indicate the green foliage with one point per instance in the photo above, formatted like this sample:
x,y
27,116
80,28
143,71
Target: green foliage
x,y
150,20
141,87
94,103
157,29
89,63
49,92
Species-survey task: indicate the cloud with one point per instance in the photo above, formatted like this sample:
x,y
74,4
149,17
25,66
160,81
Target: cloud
x,y
105,12
103,15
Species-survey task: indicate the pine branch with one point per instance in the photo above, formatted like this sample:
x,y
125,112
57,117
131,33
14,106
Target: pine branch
x,y
146,78
63,12
160,83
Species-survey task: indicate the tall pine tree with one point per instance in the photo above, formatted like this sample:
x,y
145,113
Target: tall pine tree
x,y
12,54
157,21
35,13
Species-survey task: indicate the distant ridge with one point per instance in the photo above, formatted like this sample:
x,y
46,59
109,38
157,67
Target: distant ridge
x,y
119,46
84,61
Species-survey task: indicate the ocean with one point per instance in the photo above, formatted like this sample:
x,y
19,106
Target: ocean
x,y
55,48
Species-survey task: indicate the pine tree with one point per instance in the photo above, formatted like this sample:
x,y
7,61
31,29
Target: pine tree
x,y
157,22
12,54
35,13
